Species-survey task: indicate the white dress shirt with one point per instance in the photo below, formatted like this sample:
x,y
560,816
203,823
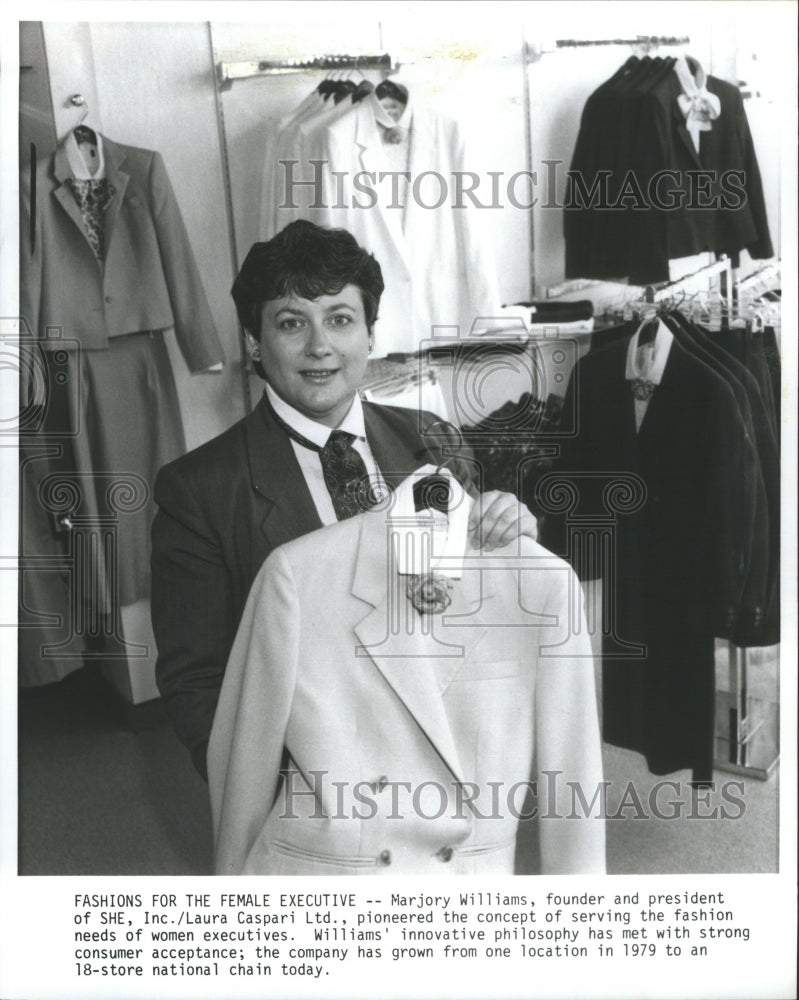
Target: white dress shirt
x,y
309,460
86,161
648,362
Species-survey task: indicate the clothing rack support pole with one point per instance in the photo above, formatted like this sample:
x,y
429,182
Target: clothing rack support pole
x,y
244,358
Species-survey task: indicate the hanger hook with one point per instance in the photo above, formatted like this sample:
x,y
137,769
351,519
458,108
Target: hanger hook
x,y
78,101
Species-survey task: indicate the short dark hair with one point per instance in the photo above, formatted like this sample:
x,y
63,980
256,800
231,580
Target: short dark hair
x,y
305,260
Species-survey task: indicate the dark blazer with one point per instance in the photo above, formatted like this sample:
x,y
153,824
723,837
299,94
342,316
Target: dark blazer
x,y
761,594
634,136
149,279
678,576
222,509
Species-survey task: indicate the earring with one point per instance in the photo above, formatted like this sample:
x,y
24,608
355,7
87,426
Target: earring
x,y
371,346
255,352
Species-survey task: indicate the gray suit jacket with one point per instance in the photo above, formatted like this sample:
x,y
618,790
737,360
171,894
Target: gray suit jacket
x,y
149,279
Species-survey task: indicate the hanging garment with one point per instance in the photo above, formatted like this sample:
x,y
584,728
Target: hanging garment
x,y
761,626
149,280
436,259
740,357
111,268
681,556
222,509
333,701
635,132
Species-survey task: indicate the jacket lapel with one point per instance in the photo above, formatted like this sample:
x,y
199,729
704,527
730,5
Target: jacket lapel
x,y
114,159
663,400
683,135
398,450
275,475
368,143
64,196
425,149
620,402
418,656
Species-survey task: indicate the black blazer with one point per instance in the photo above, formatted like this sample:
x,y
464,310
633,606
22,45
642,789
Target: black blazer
x,y
678,575
635,136
697,530
222,509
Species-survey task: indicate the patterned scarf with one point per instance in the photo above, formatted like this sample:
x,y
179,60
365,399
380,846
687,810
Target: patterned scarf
x,y
93,198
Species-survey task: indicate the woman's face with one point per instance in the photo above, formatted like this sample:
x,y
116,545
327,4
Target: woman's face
x,y
314,352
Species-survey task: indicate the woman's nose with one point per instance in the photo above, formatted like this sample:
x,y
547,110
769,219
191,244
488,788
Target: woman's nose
x,y
318,342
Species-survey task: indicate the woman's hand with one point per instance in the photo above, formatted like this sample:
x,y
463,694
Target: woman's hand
x,y
499,518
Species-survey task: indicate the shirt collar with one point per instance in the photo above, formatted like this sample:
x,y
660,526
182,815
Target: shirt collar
x,y
649,362
77,162
382,117
318,433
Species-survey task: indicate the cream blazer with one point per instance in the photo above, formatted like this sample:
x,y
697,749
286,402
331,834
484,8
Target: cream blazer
x,y
355,737
437,260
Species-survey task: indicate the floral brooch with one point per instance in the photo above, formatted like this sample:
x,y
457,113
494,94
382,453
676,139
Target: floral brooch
x,y
429,593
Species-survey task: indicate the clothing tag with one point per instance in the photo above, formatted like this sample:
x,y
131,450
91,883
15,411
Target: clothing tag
x,y
644,357
424,540
89,152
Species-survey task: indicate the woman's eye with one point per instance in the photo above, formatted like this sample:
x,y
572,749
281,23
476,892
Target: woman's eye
x,y
340,319
290,324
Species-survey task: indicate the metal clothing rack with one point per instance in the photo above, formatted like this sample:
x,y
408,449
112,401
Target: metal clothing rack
x,y
228,72
617,305
535,50
688,283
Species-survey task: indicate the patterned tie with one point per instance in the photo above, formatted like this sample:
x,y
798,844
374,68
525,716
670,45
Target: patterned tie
x,y
345,476
93,198
642,388
344,470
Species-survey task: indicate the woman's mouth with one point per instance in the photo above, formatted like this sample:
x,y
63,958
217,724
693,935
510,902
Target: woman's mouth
x,y
319,375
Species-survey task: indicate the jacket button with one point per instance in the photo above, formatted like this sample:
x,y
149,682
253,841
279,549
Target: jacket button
x,y
445,854
108,298
385,857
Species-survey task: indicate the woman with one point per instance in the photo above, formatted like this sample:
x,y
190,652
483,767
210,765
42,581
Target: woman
x,y
308,300
336,684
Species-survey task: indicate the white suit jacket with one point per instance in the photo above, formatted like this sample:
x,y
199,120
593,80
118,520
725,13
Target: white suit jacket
x,y
438,262
351,737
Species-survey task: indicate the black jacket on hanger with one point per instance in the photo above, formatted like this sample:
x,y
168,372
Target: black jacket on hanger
x,y
760,624
681,559
635,133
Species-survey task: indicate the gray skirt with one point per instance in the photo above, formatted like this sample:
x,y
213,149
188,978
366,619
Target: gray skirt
x,y
110,420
